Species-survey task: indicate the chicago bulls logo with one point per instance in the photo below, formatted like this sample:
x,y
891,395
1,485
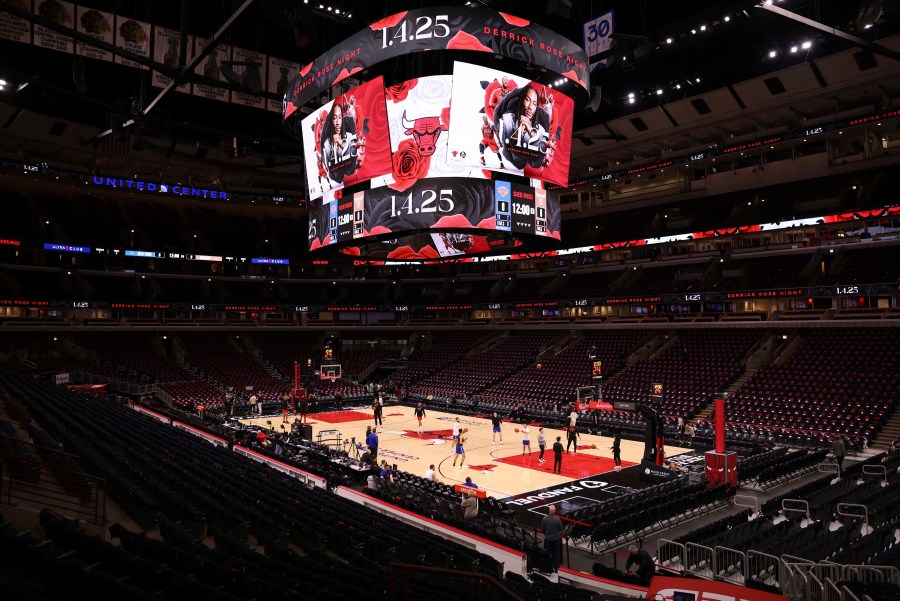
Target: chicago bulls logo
x,y
425,132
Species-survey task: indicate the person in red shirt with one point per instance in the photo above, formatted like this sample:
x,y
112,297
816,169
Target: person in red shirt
x,y
489,140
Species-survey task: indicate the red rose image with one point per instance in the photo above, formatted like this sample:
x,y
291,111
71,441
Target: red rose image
x,y
289,109
571,75
306,69
378,230
453,222
445,118
399,92
351,250
409,165
466,41
407,252
489,223
388,21
487,174
344,74
514,20
531,172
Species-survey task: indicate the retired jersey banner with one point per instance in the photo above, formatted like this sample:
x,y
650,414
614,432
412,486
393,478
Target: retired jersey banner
x,y
442,28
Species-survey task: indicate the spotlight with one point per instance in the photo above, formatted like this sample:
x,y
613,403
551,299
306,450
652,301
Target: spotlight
x,y
772,54
659,92
697,80
677,86
631,94
727,19
694,31
806,45
631,100
668,40
793,49
2,82
703,28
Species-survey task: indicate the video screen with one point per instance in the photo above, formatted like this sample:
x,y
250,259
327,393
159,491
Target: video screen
x,y
504,122
345,141
418,114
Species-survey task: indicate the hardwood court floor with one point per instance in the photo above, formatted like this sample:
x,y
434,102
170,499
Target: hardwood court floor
x,y
500,469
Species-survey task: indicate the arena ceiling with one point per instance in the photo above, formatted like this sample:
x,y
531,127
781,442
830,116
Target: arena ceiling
x,y
666,55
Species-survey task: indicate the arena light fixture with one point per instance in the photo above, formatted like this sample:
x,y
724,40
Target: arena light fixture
x,y
772,54
806,45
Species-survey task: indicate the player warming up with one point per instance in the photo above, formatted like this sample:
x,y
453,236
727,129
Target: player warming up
x,y
526,439
495,424
460,450
420,414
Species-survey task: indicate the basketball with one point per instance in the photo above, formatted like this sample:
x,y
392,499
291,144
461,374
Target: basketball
x,y
517,429
464,430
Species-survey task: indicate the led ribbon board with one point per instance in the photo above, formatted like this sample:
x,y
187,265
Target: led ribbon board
x,y
436,218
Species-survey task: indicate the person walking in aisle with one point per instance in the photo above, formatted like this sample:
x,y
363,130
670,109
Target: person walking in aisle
x,y
840,451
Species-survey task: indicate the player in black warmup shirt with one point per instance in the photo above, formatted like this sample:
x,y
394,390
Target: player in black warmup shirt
x,y
377,408
420,414
496,420
571,439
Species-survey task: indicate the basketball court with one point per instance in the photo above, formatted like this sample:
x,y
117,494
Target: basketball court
x,y
502,470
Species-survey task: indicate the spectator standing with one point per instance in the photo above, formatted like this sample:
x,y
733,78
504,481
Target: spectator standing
x,y
372,442
254,400
840,451
470,507
552,528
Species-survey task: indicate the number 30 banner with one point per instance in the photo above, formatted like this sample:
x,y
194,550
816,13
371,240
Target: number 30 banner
x,y
598,35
